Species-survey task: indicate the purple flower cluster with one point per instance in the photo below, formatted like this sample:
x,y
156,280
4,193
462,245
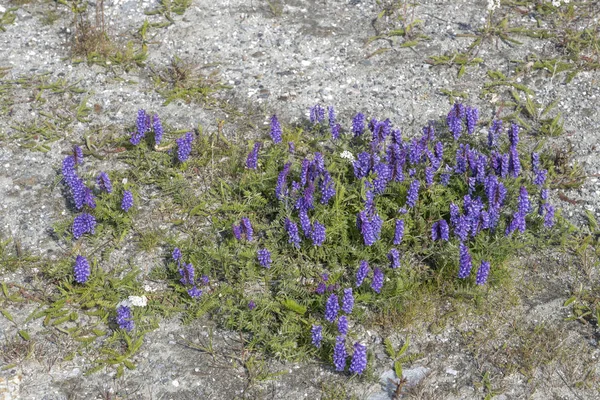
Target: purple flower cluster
x,y
347,301
293,233
275,130
359,359
455,119
465,263
184,146
81,270
494,133
394,257
343,325
78,154
124,318
82,224
264,258
252,159
317,114
332,308
472,116
362,272
104,182
358,124
142,125
317,234
82,195
281,189
377,282
244,229
339,353
317,335
413,193
440,231
482,273
399,231
158,129
127,201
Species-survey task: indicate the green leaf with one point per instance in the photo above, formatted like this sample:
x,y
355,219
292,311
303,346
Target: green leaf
x,y
389,348
569,301
129,364
7,315
292,305
24,335
398,369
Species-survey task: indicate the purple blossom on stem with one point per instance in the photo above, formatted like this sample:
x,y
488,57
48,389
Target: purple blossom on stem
x,y
362,272
317,114
237,231
142,122
347,301
513,134
342,325
78,154
321,288
184,146
292,230
327,187
358,124
291,147
540,177
305,222
188,274
465,264
514,164
494,132
399,231
124,318
429,176
445,179
252,159
524,205
440,231
332,307
88,197
264,258
482,273
549,217
359,359
316,334
413,193
83,223
362,165
517,222
127,201
394,257
81,270
176,254
535,161
377,282
454,119
275,130
331,116
339,353
281,187
247,228
472,116
158,129
104,182
251,305
317,235
194,292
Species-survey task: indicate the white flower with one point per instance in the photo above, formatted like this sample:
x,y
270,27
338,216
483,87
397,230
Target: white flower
x,y
347,155
493,5
138,301
149,288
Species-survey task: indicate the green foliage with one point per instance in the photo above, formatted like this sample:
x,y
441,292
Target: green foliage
x,y
7,18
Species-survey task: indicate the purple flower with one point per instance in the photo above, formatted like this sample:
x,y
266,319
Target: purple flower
x,y
332,308
317,234
429,176
292,230
454,119
359,359
544,194
394,257
142,122
505,165
321,288
78,154
517,222
339,353
81,270
472,115
264,258
184,146
176,254
540,177
281,187
377,282
237,231
514,164
347,301
331,116
88,197
524,204
362,272
275,130
445,179
247,228
252,159
464,262
317,335
194,292
440,231
317,114
369,228
549,217
188,274
413,193
362,165
158,129
127,201
124,318
83,223
135,138
335,131
342,325
358,124
104,182
305,222
204,279
251,305
535,161
399,231
291,147
493,133
327,187
482,273
513,134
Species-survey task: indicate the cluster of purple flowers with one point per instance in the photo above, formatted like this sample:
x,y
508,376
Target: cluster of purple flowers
x,y
243,230
188,275
317,114
368,222
144,124
81,194
82,224
184,146
264,258
125,318
440,231
394,257
104,182
82,269
127,201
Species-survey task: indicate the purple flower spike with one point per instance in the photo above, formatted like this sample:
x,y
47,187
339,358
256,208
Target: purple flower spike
x,y
275,130
237,231
377,283
549,217
429,176
194,292
359,359
465,264
264,258
331,116
494,132
317,114
513,135
83,223
158,129
281,189
247,228
399,231
124,318
317,335
176,254
343,325
184,146
142,122
347,301
524,203
362,272
358,124
440,231
327,187
482,273
332,308
252,160
104,182
251,305
339,354
127,201
81,270
188,274
291,147
454,119
318,233
540,177
293,233
472,116
413,193
394,257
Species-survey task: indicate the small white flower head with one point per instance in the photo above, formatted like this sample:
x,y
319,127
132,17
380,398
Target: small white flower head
x,y
125,303
347,155
149,288
138,301
493,5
